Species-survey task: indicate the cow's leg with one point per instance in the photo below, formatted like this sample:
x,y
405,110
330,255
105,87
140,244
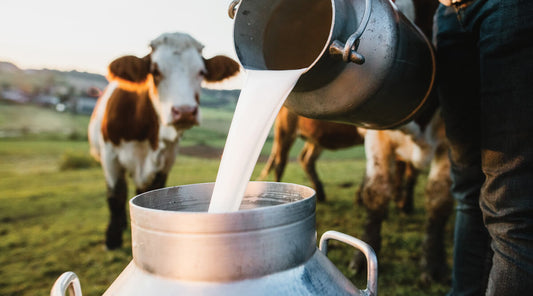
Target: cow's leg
x,y
405,177
269,165
376,192
282,156
399,192
359,192
116,201
375,198
439,207
411,177
307,158
277,159
158,182
272,158
284,137
117,194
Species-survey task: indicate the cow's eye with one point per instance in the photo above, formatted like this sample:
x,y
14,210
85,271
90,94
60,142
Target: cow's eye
x,y
202,73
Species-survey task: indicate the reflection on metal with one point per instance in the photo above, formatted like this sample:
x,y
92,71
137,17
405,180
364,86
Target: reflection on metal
x,y
68,281
233,8
366,249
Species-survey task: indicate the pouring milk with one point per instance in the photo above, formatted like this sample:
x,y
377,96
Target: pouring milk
x,y
265,91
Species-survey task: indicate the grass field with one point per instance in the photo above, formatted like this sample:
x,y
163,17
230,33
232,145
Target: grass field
x,y
52,220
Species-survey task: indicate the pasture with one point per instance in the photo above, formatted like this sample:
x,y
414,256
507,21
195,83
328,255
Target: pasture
x,y
53,211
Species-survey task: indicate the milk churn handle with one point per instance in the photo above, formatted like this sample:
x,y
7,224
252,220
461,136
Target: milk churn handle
x,y
348,50
372,261
233,8
67,281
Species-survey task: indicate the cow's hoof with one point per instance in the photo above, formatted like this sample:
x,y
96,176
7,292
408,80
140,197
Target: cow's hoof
x,y
320,196
113,244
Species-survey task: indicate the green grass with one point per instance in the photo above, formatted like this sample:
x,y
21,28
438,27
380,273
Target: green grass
x,y
40,123
53,220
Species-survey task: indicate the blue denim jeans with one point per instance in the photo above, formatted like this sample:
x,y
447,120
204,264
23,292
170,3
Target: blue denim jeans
x,y
485,84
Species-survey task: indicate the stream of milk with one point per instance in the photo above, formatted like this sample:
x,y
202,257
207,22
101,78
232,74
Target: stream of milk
x,y
261,98
294,37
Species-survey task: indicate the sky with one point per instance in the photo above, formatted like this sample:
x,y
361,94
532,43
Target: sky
x,y
86,35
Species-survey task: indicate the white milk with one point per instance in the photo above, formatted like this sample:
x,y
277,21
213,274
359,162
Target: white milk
x,y
295,35
260,100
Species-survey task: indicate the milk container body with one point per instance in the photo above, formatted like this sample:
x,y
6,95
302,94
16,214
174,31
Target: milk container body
x,y
368,65
268,247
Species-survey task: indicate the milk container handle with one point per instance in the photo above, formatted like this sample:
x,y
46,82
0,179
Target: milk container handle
x,y
348,50
67,281
232,10
372,261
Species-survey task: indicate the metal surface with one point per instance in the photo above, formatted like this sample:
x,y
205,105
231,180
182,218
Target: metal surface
x,y
68,281
348,50
371,259
171,228
268,247
388,83
233,8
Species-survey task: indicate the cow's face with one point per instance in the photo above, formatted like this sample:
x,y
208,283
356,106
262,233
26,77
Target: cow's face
x,y
178,69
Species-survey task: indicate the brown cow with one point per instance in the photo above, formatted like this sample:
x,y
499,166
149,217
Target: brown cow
x,y
423,146
139,119
320,135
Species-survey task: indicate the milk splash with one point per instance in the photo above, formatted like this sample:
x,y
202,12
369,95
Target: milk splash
x,y
260,100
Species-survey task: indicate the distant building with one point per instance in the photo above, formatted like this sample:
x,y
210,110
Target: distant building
x,y
14,95
46,100
85,104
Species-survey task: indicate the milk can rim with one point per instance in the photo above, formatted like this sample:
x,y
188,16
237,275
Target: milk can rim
x,y
243,220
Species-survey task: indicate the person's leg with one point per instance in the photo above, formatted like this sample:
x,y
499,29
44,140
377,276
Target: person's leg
x,y
458,86
506,51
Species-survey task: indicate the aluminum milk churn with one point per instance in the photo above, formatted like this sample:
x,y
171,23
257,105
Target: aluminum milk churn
x,y
368,65
268,247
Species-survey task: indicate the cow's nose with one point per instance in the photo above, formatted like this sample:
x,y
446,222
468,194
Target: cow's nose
x,y
184,115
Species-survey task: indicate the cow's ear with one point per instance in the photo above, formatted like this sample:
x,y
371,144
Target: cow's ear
x,y
220,67
130,68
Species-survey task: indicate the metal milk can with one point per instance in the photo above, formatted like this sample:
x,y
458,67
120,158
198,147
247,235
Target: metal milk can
x,y
367,64
268,247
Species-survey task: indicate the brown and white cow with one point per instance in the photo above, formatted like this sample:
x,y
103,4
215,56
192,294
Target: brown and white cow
x,y
394,160
139,119
423,146
422,143
318,135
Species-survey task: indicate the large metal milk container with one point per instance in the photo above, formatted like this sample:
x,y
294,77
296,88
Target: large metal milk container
x,y
268,247
368,64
